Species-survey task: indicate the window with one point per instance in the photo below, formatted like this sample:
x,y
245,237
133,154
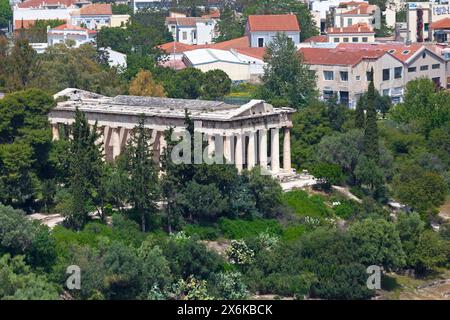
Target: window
x,y
424,68
358,78
436,66
350,22
194,35
344,75
328,94
412,69
328,75
385,92
405,52
437,81
336,39
345,39
398,72
369,76
260,42
365,39
184,35
355,39
386,74
425,26
424,54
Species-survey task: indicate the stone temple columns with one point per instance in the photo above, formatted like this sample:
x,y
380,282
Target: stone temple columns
x,y
55,131
239,153
263,148
275,150
251,150
287,149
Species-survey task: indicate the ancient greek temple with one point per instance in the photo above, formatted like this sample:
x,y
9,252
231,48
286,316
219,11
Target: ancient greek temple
x,y
246,135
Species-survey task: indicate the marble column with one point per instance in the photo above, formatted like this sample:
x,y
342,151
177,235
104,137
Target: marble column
x,y
263,148
239,152
287,149
115,142
251,151
228,149
275,150
211,144
55,131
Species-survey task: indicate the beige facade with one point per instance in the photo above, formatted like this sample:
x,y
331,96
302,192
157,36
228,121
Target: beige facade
x,y
119,20
426,63
349,82
351,37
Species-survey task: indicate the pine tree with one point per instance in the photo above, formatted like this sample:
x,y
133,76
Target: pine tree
x,y
371,146
360,120
143,173
85,170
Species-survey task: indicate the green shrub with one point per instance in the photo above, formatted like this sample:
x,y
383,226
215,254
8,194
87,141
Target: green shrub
x,y
345,210
305,205
238,229
203,232
294,232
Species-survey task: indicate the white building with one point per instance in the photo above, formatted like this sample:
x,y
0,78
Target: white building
x,y
144,4
67,32
261,29
26,13
93,16
239,64
350,13
421,15
192,30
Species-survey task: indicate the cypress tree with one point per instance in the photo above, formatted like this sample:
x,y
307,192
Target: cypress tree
x,y
371,147
85,170
143,173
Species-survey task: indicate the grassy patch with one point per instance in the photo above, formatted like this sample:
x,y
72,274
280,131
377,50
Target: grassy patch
x,y
203,232
293,233
306,205
238,229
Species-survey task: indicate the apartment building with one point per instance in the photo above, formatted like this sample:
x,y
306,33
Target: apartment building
x,y
93,16
421,15
192,30
351,13
357,33
68,32
418,60
346,73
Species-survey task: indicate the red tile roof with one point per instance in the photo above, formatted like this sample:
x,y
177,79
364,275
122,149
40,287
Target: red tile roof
x,y
69,27
96,9
361,9
177,47
241,42
257,53
336,56
355,28
212,15
39,3
441,24
317,39
184,21
400,51
351,4
275,22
